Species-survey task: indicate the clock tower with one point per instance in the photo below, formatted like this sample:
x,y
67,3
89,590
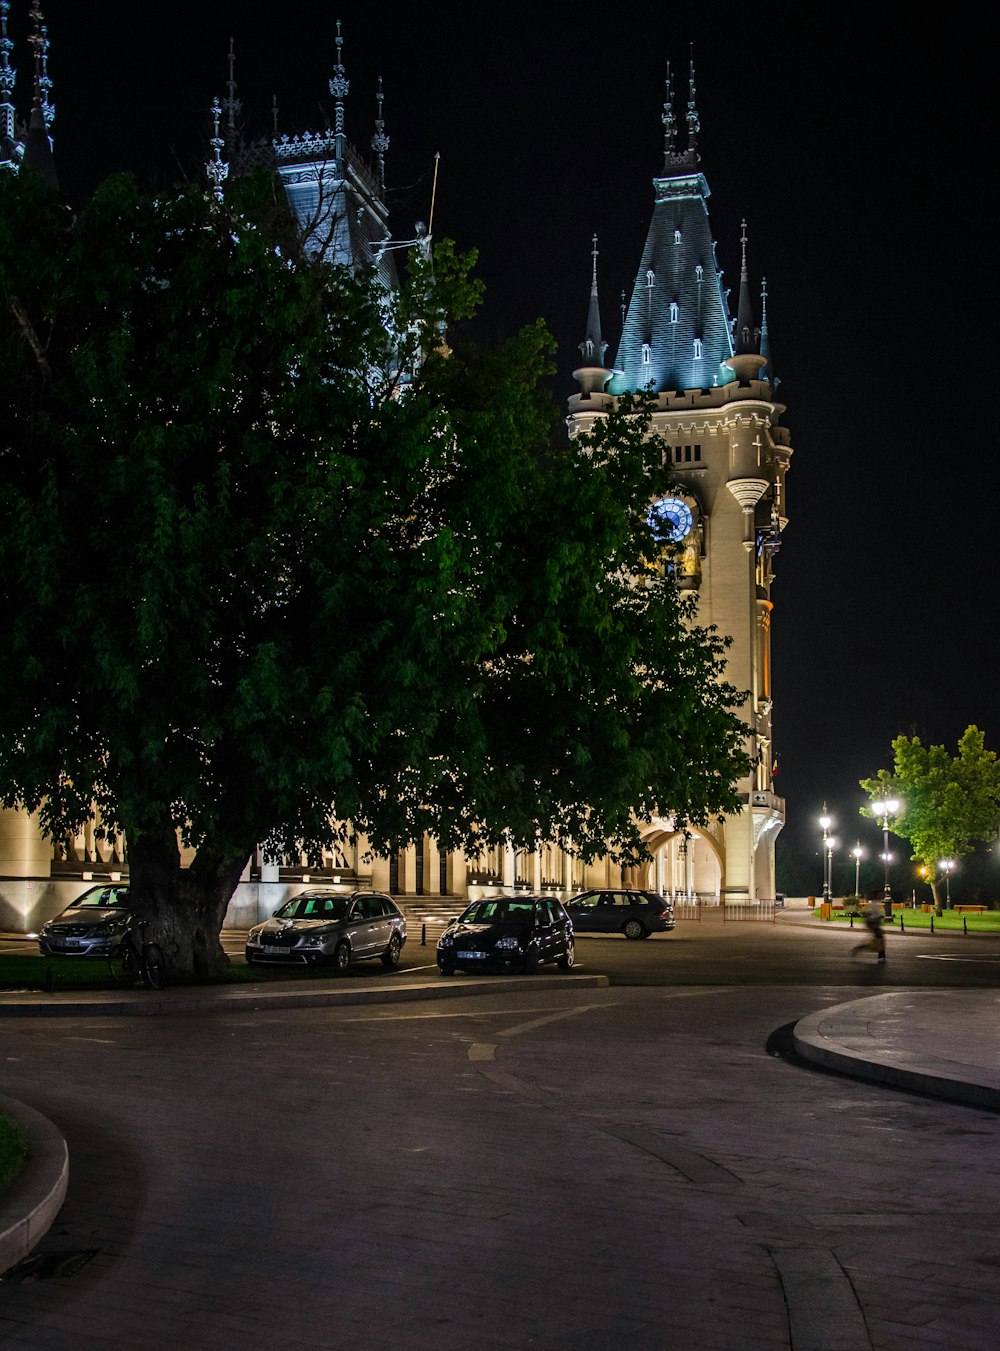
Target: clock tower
x,y
717,413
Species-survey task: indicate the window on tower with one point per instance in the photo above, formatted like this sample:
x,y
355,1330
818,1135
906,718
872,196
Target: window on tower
x,y
677,236
699,273
674,311
647,354
698,352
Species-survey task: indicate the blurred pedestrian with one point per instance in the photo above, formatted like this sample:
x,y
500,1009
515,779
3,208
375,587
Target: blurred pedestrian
x,y
875,942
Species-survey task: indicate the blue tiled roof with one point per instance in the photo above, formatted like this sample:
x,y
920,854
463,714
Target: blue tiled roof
x,y
678,300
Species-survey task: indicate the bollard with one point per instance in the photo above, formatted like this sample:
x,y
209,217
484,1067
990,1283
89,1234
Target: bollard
x,y
902,926
851,917
932,923
423,935
965,925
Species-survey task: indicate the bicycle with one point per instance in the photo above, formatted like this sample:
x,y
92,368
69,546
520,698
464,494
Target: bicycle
x,y
137,961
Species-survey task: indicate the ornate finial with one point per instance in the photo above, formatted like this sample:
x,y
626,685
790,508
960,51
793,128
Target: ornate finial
x,y
231,104
339,86
216,169
693,125
39,39
593,254
274,115
623,307
380,141
743,244
669,123
11,149
763,302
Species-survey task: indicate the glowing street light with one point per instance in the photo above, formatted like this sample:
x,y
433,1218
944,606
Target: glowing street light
x,y
825,823
859,854
886,810
947,866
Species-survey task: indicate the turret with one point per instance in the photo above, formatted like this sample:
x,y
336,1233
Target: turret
x,y
592,375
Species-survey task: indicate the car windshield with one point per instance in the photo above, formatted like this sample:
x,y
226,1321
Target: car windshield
x,y
314,907
104,898
498,911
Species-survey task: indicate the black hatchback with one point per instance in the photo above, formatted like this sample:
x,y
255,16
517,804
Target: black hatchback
x,y
636,914
506,933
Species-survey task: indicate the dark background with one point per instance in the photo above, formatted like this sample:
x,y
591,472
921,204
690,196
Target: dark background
x,y
852,142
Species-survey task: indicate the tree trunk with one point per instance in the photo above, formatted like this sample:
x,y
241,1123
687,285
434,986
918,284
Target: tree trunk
x,y
938,903
185,908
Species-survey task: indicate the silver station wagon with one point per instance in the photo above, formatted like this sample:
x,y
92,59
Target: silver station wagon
x,y
329,926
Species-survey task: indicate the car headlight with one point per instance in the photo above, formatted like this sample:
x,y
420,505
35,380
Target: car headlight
x,y
509,942
446,941
313,940
253,937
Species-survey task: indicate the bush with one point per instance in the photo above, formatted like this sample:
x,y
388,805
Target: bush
x,y
14,1152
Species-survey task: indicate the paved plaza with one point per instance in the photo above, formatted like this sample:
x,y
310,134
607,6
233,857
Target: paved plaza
x,y
559,1164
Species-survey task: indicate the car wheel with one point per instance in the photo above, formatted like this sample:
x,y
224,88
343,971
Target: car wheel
x,y
634,929
391,955
446,970
569,956
341,958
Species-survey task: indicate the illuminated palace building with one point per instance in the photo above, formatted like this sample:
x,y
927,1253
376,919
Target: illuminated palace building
x,y
716,411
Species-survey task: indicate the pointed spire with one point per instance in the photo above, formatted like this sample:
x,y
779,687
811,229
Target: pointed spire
x,y
745,336
11,149
593,347
767,372
231,105
592,374
669,124
693,124
38,143
339,87
216,170
274,116
380,141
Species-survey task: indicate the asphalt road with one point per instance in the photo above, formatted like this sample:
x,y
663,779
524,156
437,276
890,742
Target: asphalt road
x,y
637,1166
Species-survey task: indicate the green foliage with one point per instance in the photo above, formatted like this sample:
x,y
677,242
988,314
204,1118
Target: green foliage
x,y
273,551
14,1152
949,803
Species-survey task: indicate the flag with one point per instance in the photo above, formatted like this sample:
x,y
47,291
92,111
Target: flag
x,y
774,768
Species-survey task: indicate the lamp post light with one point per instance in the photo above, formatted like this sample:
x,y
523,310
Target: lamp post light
x,y
859,854
825,823
947,866
886,810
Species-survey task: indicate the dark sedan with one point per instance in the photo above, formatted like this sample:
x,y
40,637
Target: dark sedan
x,y
636,914
329,926
507,934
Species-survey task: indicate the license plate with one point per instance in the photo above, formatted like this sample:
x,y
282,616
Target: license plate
x,y
276,952
470,956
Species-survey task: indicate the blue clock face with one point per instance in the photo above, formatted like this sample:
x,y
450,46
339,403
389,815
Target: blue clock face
x,y
672,516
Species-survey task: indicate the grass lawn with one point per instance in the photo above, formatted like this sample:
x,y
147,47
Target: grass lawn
x,y
13,1152
950,920
31,971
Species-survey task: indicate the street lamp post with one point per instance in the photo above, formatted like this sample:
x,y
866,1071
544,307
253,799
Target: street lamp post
x,y
886,810
831,845
858,853
948,867
825,823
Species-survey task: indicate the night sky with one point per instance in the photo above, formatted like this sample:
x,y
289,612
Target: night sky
x,y
855,153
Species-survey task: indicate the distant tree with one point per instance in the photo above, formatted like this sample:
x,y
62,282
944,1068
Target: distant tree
x,y
266,568
949,803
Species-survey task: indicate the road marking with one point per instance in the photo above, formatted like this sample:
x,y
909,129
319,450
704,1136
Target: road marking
x,y
550,1018
823,1309
946,957
101,1041
482,1050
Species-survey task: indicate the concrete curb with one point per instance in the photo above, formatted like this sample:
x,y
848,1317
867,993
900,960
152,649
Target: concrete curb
x,y
239,999
33,1200
824,1038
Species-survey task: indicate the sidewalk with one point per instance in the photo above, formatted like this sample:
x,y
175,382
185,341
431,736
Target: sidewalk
x,y
942,1042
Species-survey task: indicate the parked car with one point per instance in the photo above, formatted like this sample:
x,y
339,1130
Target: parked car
x,y
636,914
90,926
507,934
329,926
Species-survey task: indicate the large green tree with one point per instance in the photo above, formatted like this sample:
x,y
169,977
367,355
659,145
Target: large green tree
x,y
266,569
948,803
